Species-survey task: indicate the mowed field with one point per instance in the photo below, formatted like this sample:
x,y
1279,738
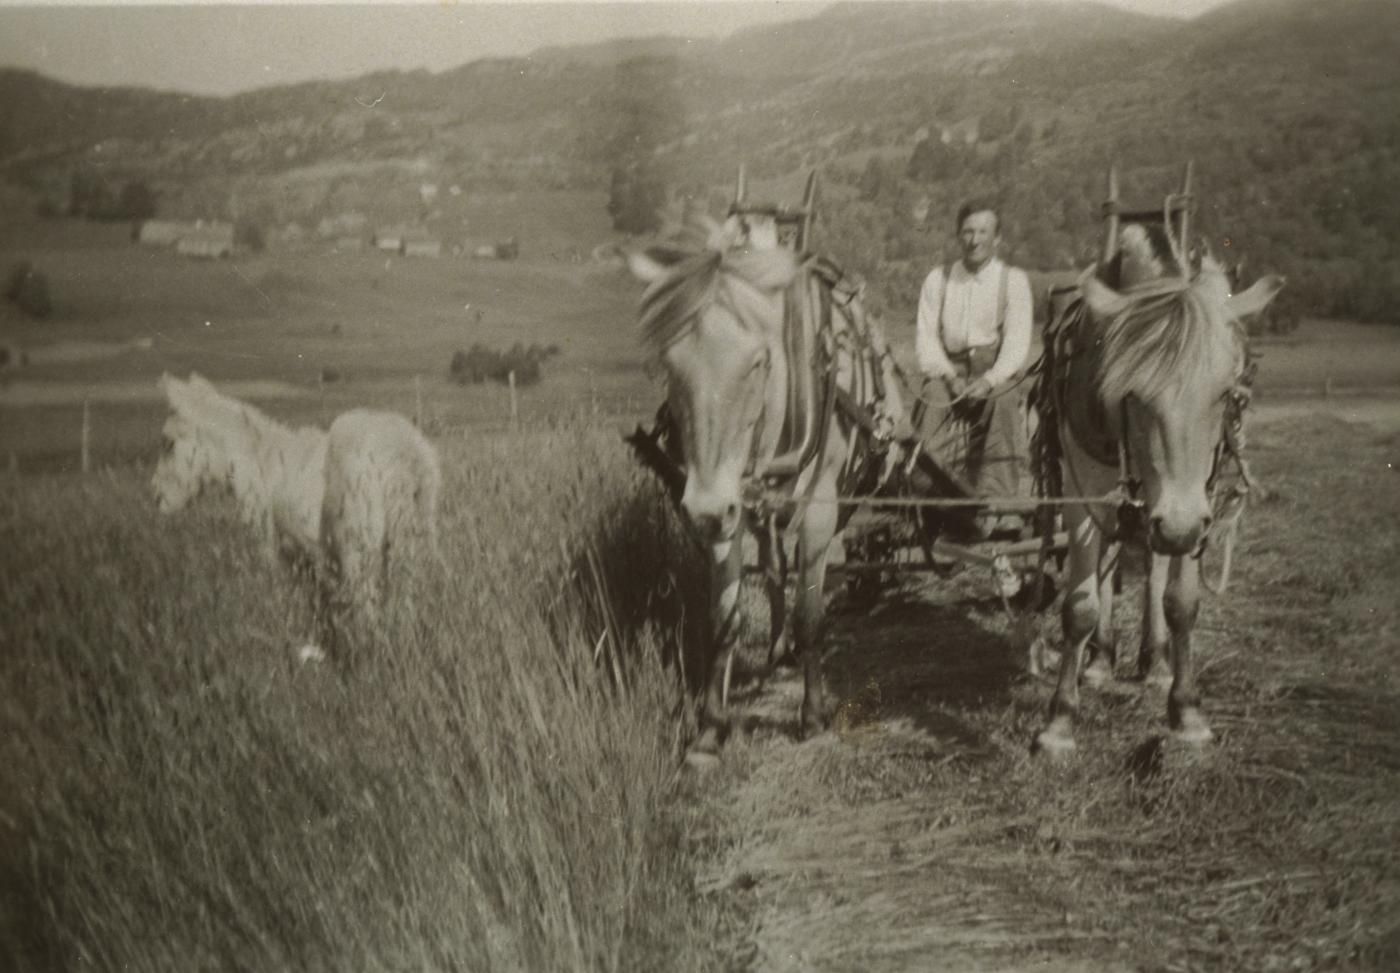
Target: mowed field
x,y
921,834
491,780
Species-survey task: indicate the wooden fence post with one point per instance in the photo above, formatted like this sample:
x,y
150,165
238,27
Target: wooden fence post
x,y
514,406
85,458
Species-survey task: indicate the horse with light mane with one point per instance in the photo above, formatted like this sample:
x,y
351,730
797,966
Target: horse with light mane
x,y
721,321
340,501
1140,395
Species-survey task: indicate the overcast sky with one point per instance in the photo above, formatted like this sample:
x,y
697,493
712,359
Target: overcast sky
x,y
206,48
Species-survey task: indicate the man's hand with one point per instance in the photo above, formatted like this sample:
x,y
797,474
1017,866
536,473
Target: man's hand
x,y
978,388
955,384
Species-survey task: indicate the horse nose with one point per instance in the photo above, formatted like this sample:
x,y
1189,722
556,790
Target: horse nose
x,y
715,519
1169,537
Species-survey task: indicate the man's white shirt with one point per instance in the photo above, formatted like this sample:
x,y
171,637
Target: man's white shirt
x,y
969,319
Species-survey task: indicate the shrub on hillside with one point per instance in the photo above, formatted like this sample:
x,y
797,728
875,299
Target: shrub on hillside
x,y
636,196
29,290
92,196
248,235
480,363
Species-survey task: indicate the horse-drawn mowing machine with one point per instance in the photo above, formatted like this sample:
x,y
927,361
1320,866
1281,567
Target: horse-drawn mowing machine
x,y
902,511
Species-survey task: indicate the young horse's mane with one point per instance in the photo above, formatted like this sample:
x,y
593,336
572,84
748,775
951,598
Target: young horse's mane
x,y
699,277
1173,333
257,447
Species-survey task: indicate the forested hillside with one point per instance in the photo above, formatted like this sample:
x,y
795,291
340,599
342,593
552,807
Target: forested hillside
x,y
1290,109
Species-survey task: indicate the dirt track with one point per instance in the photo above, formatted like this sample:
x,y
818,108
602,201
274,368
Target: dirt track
x,y
920,835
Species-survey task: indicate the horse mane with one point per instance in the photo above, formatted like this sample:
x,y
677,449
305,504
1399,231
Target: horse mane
x,y
255,448
1173,332
699,277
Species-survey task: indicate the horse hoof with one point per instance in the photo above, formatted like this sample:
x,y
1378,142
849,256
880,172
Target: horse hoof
x,y
1097,675
701,760
1193,729
706,744
1157,676
1054,742
782,660
812,723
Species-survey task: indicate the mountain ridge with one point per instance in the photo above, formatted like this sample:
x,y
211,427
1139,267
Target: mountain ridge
x,y
1290,111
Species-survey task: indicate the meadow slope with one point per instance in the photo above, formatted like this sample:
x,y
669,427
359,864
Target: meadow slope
x,y
484,779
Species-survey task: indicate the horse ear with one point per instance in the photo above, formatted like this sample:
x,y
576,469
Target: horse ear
x,y
772,270
1103,301
1254,300
177,393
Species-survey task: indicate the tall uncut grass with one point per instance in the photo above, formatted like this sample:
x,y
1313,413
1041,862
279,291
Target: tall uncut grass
x,y
484,779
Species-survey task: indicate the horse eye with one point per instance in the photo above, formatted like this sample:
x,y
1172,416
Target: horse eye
x,y
167,445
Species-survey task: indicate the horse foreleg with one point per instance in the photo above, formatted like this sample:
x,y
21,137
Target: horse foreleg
x,y
818,529
1154,649
1181,605
726,570
1080,619
1103,644
325,580
772,561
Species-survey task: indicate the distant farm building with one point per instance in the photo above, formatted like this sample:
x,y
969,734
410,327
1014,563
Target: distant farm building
x,y
342,225
410,241
206,240
198,239
422,247
162,233
507,249
389,238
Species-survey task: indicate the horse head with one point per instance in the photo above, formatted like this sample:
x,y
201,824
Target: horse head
x,y
191,458
713,318
1173,350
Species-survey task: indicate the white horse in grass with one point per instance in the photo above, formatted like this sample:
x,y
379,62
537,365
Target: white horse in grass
x,y
341,500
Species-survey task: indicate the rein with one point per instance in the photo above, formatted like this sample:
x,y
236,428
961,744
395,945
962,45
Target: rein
x,y
1232,507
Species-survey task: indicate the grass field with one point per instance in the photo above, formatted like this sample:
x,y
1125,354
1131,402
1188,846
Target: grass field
x,y
486,780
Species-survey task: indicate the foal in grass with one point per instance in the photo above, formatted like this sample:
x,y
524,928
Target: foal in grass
x,y
339,502
1157,361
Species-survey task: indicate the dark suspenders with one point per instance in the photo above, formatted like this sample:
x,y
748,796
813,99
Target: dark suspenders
x,y
1001,300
